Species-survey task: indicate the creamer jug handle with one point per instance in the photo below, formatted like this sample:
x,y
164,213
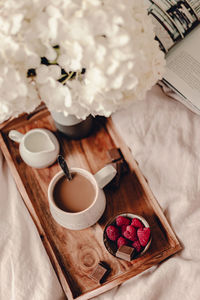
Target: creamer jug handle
x,y
15,136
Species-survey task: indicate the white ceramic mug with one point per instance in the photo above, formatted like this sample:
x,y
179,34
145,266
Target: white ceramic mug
x,y
38,148
89,216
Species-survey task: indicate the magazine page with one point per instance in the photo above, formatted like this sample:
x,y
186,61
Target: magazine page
x,y
173,20
183,68
195,5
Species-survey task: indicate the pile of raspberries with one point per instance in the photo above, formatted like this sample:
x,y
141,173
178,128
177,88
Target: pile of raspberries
x,y
130,232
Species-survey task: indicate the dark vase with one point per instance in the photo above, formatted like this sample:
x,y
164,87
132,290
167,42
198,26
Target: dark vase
x,y
71,126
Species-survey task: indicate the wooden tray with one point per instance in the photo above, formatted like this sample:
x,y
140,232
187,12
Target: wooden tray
x,y
74,254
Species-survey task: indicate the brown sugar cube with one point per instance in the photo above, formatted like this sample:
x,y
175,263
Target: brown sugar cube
x,y
114,154
100,272
125,252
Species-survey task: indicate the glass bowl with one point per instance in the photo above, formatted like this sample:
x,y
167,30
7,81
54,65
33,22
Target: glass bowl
x,y
111,246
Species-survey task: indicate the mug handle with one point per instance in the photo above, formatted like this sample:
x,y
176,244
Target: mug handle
x,y
105,175
15,136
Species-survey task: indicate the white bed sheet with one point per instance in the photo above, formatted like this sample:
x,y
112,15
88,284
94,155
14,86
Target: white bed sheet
x,y
164,137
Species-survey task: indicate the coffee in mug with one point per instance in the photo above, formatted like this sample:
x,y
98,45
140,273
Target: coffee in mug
x,y
74,195
79,203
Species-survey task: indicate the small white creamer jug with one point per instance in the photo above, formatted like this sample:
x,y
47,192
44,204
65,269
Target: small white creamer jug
x,y
38,148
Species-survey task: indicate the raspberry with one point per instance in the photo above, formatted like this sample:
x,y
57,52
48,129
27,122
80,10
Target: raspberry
x,y
123,228
112,232
131,229
121,241
122,221
130,233
137,223
143,235
137,246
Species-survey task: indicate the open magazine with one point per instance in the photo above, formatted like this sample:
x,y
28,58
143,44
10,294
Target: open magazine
x,y
177,29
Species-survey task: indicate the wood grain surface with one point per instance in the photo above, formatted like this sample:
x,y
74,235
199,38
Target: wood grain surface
x,y
75,254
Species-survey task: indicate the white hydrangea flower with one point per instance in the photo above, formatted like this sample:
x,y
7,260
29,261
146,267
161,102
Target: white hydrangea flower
x,y
80,57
